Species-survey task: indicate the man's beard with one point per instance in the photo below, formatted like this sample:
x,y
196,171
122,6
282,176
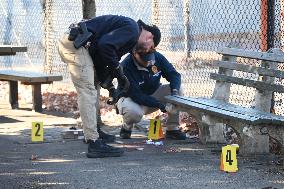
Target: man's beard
x,y
140,48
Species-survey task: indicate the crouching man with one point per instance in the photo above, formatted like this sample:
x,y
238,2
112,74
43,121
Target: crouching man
x,y
146,94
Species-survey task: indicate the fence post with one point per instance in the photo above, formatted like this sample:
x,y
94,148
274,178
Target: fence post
x,y
267,31
8,30
186,14
155,12
48,28
282,24
267,24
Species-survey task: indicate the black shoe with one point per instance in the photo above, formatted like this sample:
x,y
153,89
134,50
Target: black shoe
x,y
106,137
176,135
99,149
125,134
87,141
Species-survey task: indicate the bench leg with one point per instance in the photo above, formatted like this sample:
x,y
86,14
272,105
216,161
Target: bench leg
x,y
37,98
13,94
211,130
253,141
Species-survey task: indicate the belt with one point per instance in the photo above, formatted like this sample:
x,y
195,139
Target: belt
x,y
80,35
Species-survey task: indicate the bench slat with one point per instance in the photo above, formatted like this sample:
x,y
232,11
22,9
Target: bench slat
x,y
249,68
251,54
11,49
212,109
250,114
29,77
226,110
262,86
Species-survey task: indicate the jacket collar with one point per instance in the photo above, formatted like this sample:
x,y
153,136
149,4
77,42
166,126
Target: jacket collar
x,y
138,66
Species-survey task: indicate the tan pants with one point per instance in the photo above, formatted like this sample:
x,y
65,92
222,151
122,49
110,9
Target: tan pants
x,y
132,112
82,72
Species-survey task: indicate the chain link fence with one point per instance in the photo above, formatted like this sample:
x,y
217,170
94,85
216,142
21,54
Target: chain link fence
x,y
21,24
191,32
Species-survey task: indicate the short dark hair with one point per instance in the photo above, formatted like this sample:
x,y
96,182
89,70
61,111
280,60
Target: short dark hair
x,y
153,29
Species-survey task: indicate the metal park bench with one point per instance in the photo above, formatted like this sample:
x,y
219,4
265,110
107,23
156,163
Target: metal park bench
x,y
35,79
253,125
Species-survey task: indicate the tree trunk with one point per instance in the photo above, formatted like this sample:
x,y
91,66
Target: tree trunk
x,y
89,9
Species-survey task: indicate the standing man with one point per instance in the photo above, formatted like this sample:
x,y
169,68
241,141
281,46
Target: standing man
x,y
92,49
146,94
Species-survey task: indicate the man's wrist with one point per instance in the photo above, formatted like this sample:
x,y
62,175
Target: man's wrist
x,y
175,92
162,107
117,72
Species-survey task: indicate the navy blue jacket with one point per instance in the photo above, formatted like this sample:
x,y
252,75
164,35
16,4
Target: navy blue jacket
x,y
145,81
114,36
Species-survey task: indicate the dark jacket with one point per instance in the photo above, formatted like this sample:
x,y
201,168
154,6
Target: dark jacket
x,y
114,37
145,81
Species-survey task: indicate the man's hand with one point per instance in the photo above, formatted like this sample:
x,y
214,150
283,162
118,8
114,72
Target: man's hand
x,y
114,96
171,108
117,72
123,83
162,107
121,78
175,92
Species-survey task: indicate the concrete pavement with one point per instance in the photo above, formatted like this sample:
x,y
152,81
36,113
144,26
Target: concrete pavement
x,y
60,163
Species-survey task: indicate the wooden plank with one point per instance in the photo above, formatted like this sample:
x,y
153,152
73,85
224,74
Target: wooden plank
x,y
249,68
12,48
5,49
262,86
29,77
214,110
19,49
251,54
226,107
226,110
231,107
7,53
217,107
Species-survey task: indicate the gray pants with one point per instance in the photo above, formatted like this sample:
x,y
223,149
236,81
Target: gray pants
x,y
132,112
83,76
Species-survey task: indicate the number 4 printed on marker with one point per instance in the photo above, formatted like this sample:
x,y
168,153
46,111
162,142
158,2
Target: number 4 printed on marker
x,y
229,159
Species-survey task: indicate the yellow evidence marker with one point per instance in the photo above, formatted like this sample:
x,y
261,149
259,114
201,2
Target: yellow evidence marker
x,y
155,130
37,131
229,159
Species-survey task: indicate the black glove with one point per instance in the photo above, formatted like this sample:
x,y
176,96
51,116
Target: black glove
x,y
123,83
121,78
114,95
107,83
117,72
162,107
175,92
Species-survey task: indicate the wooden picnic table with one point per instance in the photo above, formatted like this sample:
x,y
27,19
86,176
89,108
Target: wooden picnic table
x,y
6,50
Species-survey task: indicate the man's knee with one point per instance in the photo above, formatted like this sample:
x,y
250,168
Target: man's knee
x,y
133,116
